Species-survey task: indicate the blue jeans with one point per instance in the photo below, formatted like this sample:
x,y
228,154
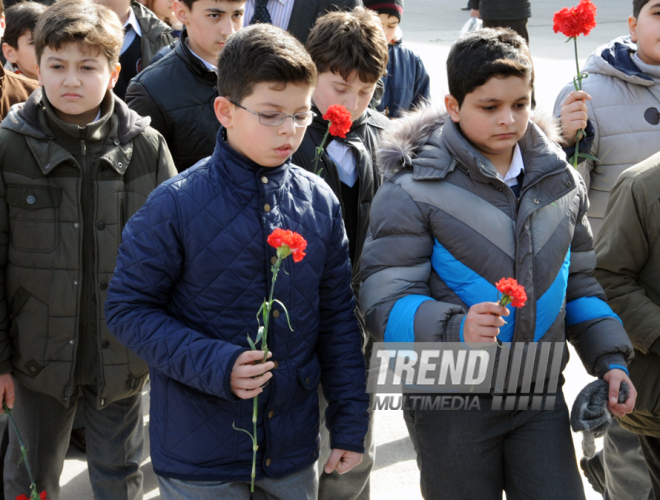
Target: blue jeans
x,y
477,454
302,485
114,444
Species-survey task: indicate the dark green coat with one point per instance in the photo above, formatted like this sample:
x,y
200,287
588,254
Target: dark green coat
x,y
155,33
41,245
628,252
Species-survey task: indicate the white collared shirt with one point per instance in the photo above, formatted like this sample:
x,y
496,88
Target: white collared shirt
x,y
279,10
517,166
344,159
208,65
130,34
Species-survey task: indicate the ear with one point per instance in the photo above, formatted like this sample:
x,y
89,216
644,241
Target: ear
x,y
224,111
632,27
453,108
9,53
181,12
114,76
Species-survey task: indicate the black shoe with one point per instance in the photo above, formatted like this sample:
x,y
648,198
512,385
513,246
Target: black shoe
x,y
594,472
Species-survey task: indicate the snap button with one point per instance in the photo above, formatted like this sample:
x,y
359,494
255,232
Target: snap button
x,y
307,380
100,226
31,199
215,87
267,207
271,414
102,401
71,342
76,225
105,344
276,365
569,184
116,141
47,166
32,368
103,285
276,314
120,164
264,179
75,283
273,260
268,462
536,201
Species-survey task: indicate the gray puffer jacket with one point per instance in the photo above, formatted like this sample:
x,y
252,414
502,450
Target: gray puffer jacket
x,y
624,112
444,228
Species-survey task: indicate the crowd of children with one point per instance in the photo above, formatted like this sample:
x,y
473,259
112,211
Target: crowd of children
x,y
116,270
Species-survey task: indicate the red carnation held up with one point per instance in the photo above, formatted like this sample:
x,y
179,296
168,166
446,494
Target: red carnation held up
x,y
579,20
340,120
512,292
288,243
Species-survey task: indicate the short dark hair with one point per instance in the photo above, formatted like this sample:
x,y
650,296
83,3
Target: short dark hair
x,y
344,42
189,3
637,7
79,21
20,18
480,55
262,53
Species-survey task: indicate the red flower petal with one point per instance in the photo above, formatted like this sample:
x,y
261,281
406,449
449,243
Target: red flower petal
x,y
340,120
509,287
22,497
295,242
579,20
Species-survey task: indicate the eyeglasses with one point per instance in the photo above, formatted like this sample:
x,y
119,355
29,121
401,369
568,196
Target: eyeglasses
x,y
276,118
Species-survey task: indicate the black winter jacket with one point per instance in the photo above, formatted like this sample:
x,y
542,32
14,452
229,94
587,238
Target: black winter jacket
x,y
364,139
178,93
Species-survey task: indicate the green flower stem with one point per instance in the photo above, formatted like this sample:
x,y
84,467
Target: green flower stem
x,y
319,152
577,82
24,458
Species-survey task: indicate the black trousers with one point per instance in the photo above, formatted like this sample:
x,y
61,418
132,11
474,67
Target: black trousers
x,y
651,450
517,25
477,454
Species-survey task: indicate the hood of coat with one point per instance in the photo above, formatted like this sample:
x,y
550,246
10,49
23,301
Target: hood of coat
x,y
24,119
415,142
615,59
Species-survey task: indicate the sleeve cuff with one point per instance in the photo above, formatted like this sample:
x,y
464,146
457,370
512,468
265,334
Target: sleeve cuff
x,y
454,328
6,367
655,348
347,447
610,362
585,143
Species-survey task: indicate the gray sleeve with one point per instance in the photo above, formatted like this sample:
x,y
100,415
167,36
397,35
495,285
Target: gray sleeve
x,y
395,270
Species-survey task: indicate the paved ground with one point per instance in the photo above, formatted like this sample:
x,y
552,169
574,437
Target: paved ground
x,y
430,26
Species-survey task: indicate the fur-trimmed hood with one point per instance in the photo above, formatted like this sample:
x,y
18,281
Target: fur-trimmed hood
x,y
402,144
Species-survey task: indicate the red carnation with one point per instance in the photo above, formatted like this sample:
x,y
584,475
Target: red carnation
x,y
340,120
287,243
576,21
42,496
512,292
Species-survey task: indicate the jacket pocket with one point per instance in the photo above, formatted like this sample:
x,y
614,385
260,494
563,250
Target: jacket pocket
x,y
309,375
34,212
29,331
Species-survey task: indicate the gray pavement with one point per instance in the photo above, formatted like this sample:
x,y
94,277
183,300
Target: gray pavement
x,y
430,27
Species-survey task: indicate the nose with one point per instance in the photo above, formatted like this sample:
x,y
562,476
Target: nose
x,y
71,78
227,26
351,102
506,117
288,127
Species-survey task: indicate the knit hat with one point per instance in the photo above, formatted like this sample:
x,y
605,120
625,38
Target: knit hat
x,y
393,8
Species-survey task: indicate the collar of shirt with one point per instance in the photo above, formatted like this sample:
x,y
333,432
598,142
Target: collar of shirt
x,y
279,10
517,166
344,159
208,65
131,30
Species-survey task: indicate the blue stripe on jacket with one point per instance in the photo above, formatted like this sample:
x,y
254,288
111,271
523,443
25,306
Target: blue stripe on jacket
x,y
549,305
586,309
401,322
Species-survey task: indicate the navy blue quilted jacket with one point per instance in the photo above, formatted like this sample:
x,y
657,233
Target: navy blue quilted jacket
x,y
192,271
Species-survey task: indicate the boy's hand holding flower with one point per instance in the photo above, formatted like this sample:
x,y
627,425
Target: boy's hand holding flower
x,y
483,322
247,378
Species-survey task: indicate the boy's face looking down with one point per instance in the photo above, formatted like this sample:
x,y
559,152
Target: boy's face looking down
x,y
354,94
23,56
75,80
494,117
263,144
645,31
209,23
390,24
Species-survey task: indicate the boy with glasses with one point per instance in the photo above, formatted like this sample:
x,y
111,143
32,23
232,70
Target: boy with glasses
x,y
194,268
